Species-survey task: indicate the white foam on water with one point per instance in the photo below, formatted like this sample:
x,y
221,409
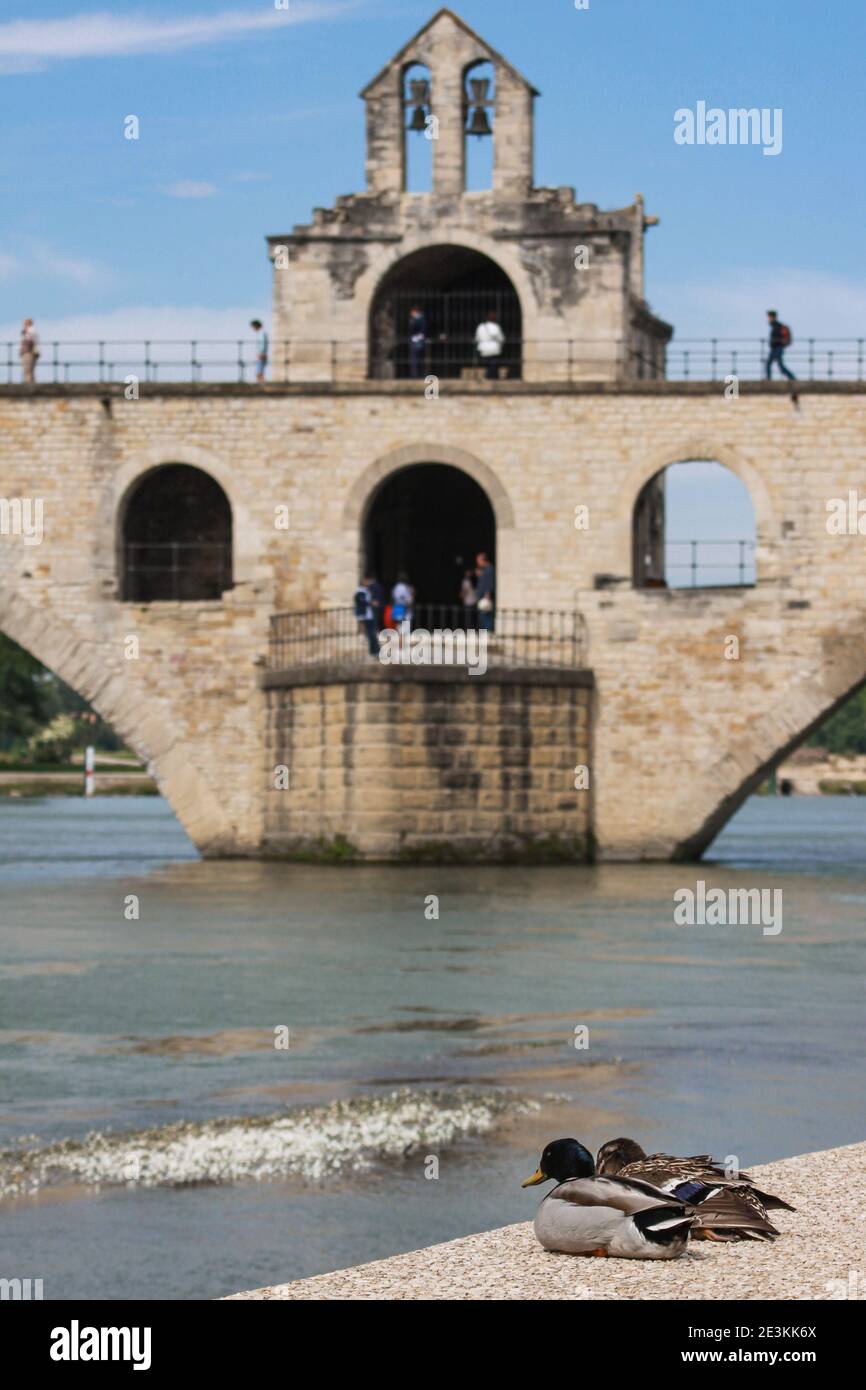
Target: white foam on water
x,y
314,1143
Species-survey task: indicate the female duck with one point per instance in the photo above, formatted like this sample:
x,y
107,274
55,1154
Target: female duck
x,y
738,1209
589,1215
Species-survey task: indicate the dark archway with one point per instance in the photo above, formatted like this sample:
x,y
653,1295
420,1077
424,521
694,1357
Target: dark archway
x,y
429,520
176,537
455,288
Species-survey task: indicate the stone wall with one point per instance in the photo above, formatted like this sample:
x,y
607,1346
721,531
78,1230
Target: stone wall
x,y
391,764
681,732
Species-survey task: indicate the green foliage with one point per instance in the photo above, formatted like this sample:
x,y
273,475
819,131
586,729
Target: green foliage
x,y
33,701
844,731
23,705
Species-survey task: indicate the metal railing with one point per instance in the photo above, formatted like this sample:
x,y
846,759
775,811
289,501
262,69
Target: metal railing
x,y
520,637
164,571
735,567
201,361
810,359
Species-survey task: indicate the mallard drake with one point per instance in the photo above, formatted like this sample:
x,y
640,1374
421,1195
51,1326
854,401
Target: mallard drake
x,y
736,1211
586,1214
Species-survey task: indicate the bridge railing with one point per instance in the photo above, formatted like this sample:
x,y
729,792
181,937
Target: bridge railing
x,y
202,361
520,637
695,564
179,571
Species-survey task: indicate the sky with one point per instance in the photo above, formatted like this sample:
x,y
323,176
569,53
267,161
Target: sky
x,y
249,117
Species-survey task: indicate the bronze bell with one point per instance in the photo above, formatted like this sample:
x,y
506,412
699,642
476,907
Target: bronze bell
x,y
419,120
479,124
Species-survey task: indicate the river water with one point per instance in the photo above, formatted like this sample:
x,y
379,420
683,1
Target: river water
x,y
161,1140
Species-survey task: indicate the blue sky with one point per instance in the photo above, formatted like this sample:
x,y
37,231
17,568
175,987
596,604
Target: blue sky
x,y
250,117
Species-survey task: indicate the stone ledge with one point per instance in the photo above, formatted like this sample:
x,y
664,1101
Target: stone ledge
x,y
821,1242
349,674
114,391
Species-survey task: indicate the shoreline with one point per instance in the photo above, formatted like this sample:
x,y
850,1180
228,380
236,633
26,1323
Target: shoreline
x,y
819,1256
804,774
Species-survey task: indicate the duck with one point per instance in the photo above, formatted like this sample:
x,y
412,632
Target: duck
x,y
593,1214
736,1211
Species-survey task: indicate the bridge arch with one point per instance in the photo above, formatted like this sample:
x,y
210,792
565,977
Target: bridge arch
x,y
175,536
97,672
385,263
426,523
365,486
246,539
693,527
637,487
455,287
718,790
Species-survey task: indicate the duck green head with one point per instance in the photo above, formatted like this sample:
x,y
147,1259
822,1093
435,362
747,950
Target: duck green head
x,y
563,1159
613,1156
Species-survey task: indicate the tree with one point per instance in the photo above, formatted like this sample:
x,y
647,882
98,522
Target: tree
x,y
23,702
844,731
31,697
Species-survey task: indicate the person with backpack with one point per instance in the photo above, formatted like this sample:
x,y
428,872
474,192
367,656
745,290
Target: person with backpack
x,y
780,338
365,613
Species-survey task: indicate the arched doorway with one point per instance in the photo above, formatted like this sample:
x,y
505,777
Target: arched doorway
x,y
429,521
694,528
176,537
456,289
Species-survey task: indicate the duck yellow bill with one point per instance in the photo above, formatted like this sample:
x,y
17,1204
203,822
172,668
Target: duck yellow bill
x,y
537,1177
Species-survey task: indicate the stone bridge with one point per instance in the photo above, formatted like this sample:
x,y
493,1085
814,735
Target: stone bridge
x,y
680,722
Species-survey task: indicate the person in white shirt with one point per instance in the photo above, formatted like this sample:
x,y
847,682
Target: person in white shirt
x,y
28,351
402,600
489,342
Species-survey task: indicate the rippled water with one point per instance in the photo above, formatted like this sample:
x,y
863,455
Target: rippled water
x,y
159,1145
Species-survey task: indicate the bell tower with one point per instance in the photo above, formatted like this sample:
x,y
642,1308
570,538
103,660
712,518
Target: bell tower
x,y
454,105
562,278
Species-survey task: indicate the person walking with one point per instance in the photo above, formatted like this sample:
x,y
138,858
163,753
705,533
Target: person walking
x,y
417,342
485,589
780,338
365,614
489,342
28,351
261,350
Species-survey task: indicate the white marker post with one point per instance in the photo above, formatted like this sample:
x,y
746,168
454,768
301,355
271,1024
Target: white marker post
x,y
89,764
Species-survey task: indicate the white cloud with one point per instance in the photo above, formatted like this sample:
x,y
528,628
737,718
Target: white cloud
x,y
38,259
188,188
27,45
157,324
814,303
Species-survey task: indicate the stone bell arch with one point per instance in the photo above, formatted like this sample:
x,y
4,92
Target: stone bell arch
x,y
584,317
